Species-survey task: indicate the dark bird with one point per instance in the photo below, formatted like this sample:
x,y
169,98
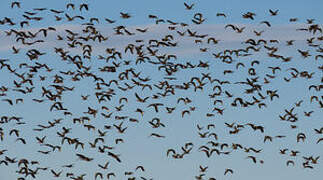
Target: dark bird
x,y
155,105
248,15
110,174
109,20
157,135
22,140
125,15
228,170
85,6
319,131
269,138
140,167
14,131
105,166
266,22
56,174
221,14
8,100
258,33
203,169
70,5
252,158
188,7
115,156
290,162
84,158
283,151
319,140
98,174
273,12
139,99
15,3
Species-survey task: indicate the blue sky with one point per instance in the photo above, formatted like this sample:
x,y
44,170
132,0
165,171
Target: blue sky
x,y
138,147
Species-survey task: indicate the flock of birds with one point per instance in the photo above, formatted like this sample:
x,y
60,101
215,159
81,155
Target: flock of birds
x,y
120,80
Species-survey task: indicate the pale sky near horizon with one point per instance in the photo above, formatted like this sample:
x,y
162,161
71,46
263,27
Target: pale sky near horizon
x,y
139,148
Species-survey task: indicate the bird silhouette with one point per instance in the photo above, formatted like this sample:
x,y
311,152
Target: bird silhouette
x,y
273,12
188,7
76,80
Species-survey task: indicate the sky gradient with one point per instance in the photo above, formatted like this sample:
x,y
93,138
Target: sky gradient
x,y
184,127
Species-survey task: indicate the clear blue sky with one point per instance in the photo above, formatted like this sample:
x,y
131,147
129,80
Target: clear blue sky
x,y
138,147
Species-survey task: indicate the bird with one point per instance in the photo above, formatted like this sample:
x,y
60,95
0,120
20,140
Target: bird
x,y
252,158
228,170
290,162
15,3
115,156
9,101
273,12
15,50
105,166
188,7
90,87
139,99
283,151
294,153
97,174
110,174
319,131
308,114
140,167
266,22
83,157
68,165
269,138
56,174
110,21
203,169
221,14
85,6
22,140
293,19
258,33
304,54
14,131
155,105
157,135
319,140
125,15
249,15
